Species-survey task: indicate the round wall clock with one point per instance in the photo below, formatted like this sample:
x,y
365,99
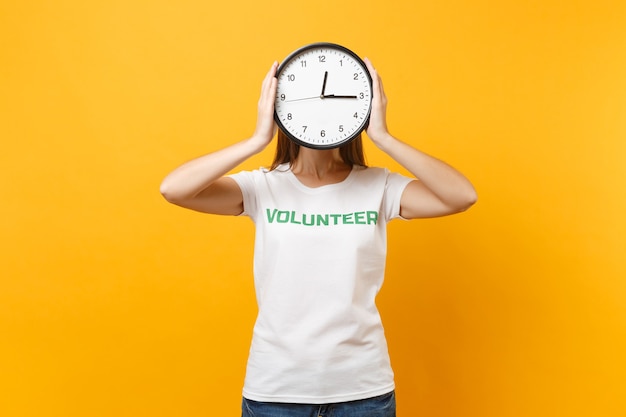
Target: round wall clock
x,y
324,96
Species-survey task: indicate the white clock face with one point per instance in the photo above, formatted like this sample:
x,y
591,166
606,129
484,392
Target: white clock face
x,y
324,96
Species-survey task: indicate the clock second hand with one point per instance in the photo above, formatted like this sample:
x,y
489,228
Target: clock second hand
x,y
314,97
305,98
321,97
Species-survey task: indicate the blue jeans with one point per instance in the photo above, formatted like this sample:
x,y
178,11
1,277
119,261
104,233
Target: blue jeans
x,y
381,406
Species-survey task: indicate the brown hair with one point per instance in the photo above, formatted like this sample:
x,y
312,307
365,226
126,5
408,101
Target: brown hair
x,y
287,151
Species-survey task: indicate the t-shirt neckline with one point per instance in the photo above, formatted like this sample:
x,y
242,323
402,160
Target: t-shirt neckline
x,y
344,183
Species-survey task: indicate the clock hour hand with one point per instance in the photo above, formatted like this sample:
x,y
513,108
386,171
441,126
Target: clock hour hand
x,y
324,83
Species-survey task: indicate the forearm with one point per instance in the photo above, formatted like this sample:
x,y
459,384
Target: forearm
x,y
444,181
191,178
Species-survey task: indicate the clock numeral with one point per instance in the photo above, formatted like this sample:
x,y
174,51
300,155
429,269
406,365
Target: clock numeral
x,y
356,115
323,133
341,62
356,76
362,96
282,97
289,116
291,77
303,64
341,128
304,128
322,58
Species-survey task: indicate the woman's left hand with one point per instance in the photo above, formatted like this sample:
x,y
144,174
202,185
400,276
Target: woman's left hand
x,y
377,129
440,190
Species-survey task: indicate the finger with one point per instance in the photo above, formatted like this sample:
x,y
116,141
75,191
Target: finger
x,y
381,88
369,65
272,72
266,106
372,71
268,87
377,85
269,76
271,90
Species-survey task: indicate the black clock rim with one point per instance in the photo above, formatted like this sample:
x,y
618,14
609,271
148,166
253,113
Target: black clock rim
x,y
350,138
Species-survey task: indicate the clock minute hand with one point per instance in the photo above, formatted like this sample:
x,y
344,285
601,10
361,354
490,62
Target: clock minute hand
x,y
337,96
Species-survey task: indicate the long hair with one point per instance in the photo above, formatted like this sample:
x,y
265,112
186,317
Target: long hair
x,y
287,151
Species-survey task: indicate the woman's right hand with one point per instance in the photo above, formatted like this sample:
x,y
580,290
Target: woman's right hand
x,y
265,125
201,185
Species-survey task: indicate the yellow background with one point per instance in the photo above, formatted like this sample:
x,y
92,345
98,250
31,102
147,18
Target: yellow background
x,y
114,303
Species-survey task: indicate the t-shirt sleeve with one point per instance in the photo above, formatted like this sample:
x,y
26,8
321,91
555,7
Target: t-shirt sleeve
x,y
246,182
394,187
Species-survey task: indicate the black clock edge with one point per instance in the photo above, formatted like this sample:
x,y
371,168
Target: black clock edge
x,y
297,52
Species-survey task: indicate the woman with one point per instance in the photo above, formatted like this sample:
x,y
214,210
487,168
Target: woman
x,y
318,344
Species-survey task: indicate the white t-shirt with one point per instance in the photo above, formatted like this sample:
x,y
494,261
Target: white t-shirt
x,y
319,261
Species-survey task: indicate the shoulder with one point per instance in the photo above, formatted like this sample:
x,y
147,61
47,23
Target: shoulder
x,y
254,173
391,181
374,173
262,175
263,171
370,171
